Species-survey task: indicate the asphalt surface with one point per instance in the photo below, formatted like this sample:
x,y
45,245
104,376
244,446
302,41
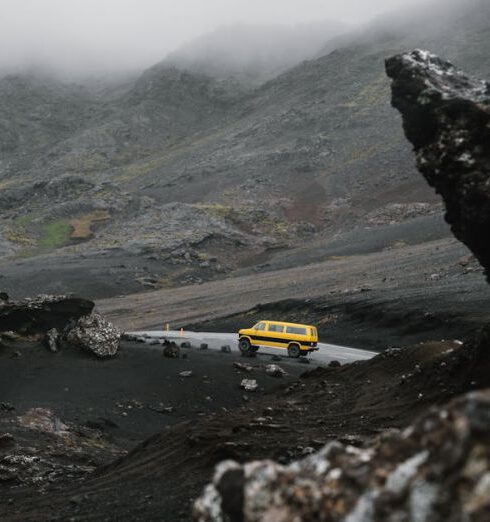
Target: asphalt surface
x,y
325,354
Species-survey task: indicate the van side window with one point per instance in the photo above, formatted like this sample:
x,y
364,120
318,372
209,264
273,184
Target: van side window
x,y
260,326
276,328
295,330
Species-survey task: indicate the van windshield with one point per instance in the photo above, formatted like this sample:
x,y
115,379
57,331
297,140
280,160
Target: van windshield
x,y
259,326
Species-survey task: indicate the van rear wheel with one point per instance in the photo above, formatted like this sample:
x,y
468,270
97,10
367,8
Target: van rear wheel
x,y
294,351
244,345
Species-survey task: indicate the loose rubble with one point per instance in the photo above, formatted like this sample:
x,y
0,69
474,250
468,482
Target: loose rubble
x,y
243,367
274,371
249,385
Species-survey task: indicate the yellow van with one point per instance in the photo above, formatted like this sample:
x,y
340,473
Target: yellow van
x,y
297,339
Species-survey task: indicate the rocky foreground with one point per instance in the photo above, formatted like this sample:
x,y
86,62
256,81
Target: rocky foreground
x,y
435,470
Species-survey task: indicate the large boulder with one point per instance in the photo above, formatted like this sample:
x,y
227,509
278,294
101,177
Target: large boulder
x,y
446,116
437,470
41,314
94,334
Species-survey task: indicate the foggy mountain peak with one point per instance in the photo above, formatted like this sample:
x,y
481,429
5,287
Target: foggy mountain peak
x,y
255,51
108,37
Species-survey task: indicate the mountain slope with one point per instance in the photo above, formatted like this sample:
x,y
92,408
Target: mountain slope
x,y
184,177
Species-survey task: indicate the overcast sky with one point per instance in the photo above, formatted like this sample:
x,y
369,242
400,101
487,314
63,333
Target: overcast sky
x,y
112,35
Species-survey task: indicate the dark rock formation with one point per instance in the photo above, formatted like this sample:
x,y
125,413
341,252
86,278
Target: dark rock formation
x,y
63,320
96,335
171,350
436,470
446,115
39,315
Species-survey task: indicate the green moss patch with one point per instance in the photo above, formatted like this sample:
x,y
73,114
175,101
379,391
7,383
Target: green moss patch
x,y
55,234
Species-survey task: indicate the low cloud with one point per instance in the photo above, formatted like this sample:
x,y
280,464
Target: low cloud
x,y
108,36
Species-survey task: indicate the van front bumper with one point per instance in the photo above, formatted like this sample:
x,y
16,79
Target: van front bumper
x,y
310,347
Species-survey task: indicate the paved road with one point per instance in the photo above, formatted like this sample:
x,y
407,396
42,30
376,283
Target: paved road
x,y
326,353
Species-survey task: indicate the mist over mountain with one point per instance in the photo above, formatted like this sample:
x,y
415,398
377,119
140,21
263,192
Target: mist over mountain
x,y
184,165
254,53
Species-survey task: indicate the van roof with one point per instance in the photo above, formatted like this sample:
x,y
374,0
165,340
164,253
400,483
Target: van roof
x,y
288,324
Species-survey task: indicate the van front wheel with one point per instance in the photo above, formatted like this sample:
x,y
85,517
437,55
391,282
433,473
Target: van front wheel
x,y
244,345
294,351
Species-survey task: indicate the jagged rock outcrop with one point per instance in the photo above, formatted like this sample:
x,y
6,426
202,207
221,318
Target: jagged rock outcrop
x,y
43,313
436,470
95,334
446,116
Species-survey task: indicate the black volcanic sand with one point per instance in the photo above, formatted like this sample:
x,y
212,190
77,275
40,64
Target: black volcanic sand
x,y
83,389
158,480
